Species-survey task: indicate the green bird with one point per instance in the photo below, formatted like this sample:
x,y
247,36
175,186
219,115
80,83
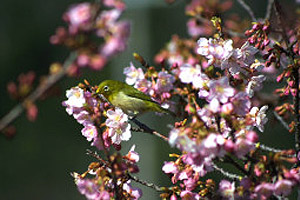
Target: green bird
x,y
129,99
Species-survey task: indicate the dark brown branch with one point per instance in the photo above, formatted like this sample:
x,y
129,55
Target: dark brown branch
x,y
145,129
95,155
134,178
16,111
145,183
296,110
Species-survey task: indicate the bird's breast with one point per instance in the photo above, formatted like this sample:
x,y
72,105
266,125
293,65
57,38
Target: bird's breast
x,y
128,104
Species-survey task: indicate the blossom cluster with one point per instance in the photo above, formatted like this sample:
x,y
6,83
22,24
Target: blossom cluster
x,y
102,186
211,84
87,21
224,124
91,112
87,111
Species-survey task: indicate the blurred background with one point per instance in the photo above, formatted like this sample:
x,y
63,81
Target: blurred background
x,y
37,162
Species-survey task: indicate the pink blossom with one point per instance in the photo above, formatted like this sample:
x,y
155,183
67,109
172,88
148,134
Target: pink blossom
x,y
88,188
104,195
227,189
132,155
98,143
107,19
227,108
220,90
283,187
145,86
212,145
194,75
119,128
83,60
113,46
214,50
195,29
206,115
181,141
214,105
79,14
164,82
246,53
133,74
241,103
170,167
75,97
186,195
90,132
259,117
243,146
97,62
83,117
293,175
136,193
191,182
120,5
255,84
264,190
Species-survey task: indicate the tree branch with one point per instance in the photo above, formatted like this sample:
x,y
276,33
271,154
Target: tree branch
x,y
16,111
248,9
269,9
281,120
145,129
234,177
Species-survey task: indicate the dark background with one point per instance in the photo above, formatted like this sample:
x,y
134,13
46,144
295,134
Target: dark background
x,y
36,164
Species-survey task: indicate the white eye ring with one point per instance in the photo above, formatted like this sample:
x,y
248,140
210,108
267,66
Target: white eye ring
x,y
105,88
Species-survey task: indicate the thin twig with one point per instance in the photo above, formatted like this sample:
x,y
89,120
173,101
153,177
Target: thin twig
x,y
132,177
145,129
232,176
95,155
225,30
270,149
145,183
281,24
248,9
230,160
281,120
16,111
269,9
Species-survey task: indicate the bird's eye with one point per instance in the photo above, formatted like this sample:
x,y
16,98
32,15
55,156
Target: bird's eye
x,y
105,88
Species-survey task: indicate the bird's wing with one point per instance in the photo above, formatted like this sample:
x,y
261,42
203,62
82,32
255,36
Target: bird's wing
x,y
138,94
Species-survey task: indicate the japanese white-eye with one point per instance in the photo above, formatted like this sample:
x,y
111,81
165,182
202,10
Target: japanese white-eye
x,y
129,99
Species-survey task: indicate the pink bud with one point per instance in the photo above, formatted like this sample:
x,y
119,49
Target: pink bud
x,y
279,78
252,136
229,146
256,26
173,197
265,28
266,42
32,112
